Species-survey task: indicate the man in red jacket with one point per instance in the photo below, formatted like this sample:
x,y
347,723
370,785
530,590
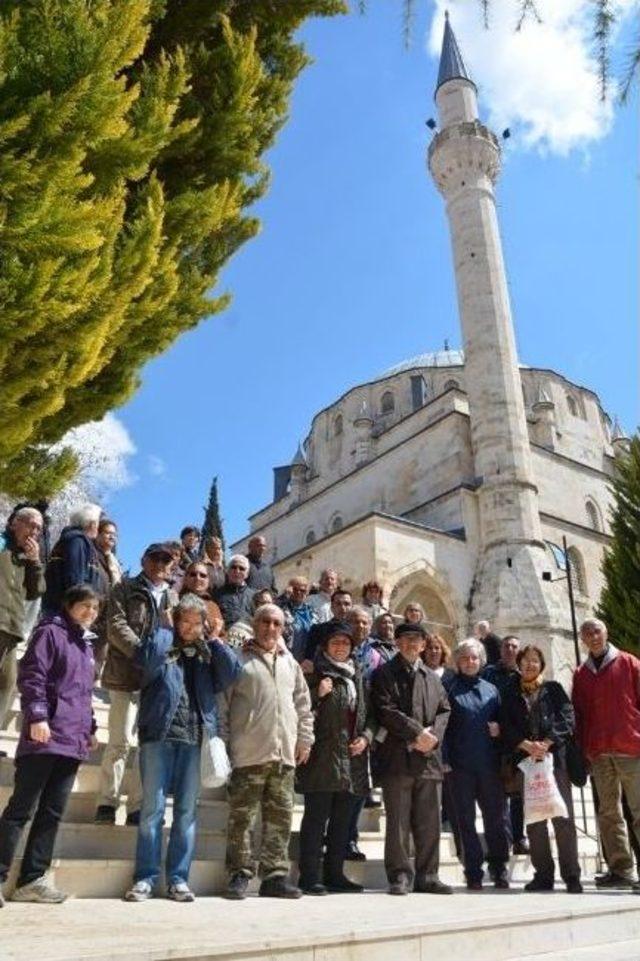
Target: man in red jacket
x,y
606,698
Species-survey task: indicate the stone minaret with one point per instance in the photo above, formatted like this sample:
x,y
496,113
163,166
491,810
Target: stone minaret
x,y
464,160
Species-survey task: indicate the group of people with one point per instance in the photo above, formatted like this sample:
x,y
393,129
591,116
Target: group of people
x,y
309,693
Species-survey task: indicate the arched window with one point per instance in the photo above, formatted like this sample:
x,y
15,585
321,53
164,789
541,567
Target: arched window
x,y
594,520
337,426
578,576
310,538
572,404
451,385
336,524
387,403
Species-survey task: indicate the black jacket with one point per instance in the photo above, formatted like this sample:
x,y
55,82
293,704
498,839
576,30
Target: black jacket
x,y
317,635
405,702
235,603
551,717
261,576
492,644
330,767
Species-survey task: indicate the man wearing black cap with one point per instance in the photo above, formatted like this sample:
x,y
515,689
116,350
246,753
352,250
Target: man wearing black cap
x,y
137,606
411,705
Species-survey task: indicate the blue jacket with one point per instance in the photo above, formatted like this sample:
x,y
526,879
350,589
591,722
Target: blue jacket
x,y
162,682
73,561
468,744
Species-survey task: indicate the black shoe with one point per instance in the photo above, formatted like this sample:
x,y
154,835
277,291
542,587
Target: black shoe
x,y
432,887
133,819
354,853
343,886
474,885
3,754
521,847
501,882
539,884
574,886
612,880
315,887
279,887
105,814
399,886
237,887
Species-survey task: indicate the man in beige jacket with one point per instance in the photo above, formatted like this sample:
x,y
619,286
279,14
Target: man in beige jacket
x,y
267,721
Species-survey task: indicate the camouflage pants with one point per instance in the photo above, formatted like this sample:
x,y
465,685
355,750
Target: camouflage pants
x,y
267,788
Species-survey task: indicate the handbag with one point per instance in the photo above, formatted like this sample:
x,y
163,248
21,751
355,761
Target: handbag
x,y
215,767
577,767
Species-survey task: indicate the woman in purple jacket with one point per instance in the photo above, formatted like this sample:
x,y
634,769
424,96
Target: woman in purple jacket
x,y
58,730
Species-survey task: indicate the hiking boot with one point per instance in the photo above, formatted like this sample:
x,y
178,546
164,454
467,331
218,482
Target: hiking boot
x,y
105,814
40,891
279,887
139,891
180,891
237,887
612,880
432,887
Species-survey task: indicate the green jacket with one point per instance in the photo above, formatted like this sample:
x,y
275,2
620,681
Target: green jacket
x,y
20,581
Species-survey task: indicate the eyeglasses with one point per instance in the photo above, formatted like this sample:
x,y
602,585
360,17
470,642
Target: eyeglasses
x,y
237,567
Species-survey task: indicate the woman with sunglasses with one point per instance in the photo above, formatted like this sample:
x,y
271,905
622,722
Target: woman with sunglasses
x,y
196,581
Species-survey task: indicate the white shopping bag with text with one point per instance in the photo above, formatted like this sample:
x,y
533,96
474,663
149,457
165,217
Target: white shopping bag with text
x,y
215,769
542,798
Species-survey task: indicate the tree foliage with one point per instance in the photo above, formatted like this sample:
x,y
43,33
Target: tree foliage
x,y
620,600
131,142
212,526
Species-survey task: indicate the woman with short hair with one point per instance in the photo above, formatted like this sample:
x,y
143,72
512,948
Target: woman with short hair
x,y
537,719
437,657
471,750
414,613
196,582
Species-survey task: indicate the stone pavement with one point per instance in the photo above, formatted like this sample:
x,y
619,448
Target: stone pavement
x,y
367,927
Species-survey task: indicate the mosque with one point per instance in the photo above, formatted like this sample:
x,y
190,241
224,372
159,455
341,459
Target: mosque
x,y
454,477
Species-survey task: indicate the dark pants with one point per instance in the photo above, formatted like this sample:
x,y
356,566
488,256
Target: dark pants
x,y
412,807
564,830
320,807
43,783
485,787
514,818
355,817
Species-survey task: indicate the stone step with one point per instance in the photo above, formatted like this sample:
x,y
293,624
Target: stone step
x,y
618,951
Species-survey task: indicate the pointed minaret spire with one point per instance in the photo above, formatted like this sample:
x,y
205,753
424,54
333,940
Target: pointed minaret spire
x,y
451,63
298,458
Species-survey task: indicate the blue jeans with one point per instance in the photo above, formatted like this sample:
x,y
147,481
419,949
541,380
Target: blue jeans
x,y
167,767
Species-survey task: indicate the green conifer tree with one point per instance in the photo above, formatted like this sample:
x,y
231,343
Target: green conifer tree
x,y
620,601
131,138
212,526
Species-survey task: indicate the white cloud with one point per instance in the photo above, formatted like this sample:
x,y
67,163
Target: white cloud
x,y
103,448
542,80
156,466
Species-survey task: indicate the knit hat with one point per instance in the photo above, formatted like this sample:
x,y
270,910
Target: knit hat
x,y
342,629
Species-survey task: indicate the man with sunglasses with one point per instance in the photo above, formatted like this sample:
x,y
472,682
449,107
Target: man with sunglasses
x,y
235,597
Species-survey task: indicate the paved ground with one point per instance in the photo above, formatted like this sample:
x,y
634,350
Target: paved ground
x,y
109,930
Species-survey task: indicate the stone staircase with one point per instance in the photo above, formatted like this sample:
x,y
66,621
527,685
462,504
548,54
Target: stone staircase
x,y
96,861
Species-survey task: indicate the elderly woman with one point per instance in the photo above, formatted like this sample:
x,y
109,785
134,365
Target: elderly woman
x,y
383,638
213,557
414,613
437,656
537,719
471,750
196,581
337,772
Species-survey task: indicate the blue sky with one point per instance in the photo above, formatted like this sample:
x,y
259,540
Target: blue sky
x,y
352,270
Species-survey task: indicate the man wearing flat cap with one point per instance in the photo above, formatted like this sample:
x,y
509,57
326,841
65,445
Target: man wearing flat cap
x,y
137,607
411,705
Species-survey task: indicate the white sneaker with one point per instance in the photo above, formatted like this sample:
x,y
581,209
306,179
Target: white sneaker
x,y
180,891
42,891
140,891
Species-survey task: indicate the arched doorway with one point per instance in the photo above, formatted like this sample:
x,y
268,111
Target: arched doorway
x,y
423,588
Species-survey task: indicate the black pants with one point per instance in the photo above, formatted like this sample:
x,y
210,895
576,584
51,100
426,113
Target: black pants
x,y
320,807
485,788
564,830
43,783
355,817
514,818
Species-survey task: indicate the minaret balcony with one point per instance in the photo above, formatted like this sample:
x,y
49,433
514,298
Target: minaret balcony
x,y
463,151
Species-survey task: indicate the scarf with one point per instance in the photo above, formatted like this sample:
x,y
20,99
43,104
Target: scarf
x,y
347,671
531,687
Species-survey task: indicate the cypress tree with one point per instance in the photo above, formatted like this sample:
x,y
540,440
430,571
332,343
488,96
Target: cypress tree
x,y
131,138
620,601
212,526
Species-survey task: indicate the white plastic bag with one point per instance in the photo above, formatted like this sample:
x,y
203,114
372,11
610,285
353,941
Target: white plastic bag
x,y
542,799
215,768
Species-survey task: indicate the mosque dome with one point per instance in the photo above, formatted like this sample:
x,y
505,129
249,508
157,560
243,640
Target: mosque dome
x,y
435,358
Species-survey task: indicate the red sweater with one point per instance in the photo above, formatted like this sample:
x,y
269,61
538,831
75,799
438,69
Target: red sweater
x,y
607,706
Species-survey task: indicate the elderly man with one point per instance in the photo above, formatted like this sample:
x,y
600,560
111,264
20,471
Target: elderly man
x,y
491,642
320,603
502,675
341,603
73,560
267,721
261,577
299,617
21,584
137,607
606,699
411,705
235,597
